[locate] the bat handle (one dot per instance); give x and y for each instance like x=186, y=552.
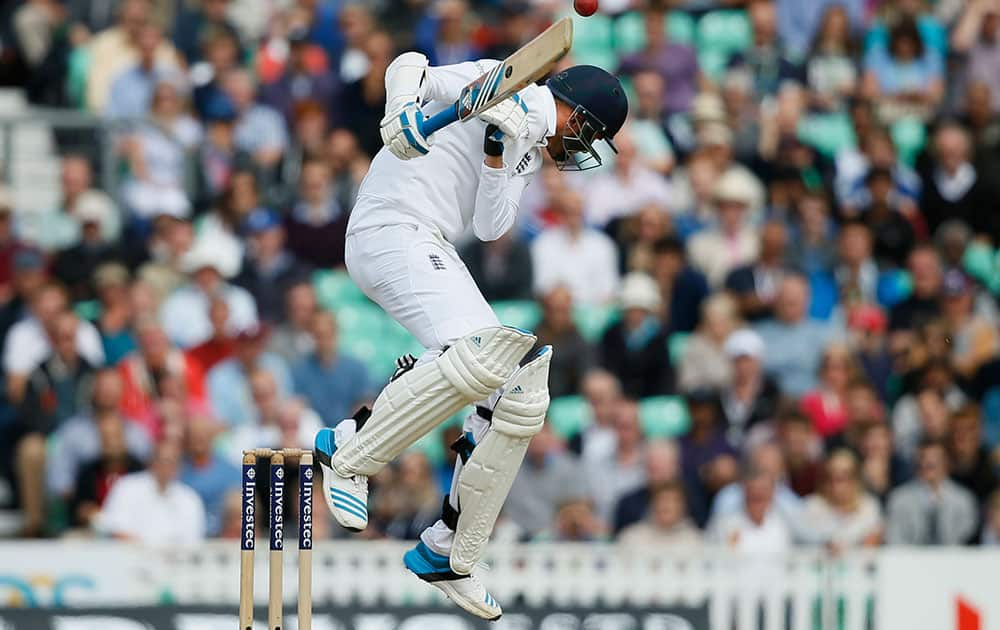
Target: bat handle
x=440, y=120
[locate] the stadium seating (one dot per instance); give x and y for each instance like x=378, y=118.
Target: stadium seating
x=664, y=416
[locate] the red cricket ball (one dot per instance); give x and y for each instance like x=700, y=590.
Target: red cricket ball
x=585, y=8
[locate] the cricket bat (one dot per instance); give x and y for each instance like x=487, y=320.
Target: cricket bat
x=526, y=65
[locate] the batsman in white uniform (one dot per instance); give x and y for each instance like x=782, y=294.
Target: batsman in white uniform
x=420, y=195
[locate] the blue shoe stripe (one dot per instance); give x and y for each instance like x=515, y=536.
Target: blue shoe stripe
x=347, y=497
x=421, y=560
x=350, y=510
x=324, y=442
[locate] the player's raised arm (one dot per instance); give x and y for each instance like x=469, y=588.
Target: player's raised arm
x=499, y=193
x=400, y=129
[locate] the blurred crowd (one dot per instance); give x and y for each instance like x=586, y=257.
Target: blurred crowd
x=792, y=265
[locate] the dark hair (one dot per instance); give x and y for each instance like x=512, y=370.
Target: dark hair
x=906, y=28
x=851, y=45
x=668, y=245
x=929, y=443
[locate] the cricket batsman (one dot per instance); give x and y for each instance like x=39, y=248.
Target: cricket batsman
x=420, y=195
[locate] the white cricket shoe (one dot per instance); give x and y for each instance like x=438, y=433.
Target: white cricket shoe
x=465, y=590
x=346, y=497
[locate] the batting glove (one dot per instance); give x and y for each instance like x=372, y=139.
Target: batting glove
x=510, y=116
x=402, y=132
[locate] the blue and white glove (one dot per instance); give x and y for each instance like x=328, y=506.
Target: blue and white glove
x=402, y=132
x=510, y=116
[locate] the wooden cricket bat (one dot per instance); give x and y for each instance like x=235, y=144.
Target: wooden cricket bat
x=526, y=65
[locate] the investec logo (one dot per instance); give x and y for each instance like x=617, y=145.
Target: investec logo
x=249, y=499
x=278, y=510
x=306, y=530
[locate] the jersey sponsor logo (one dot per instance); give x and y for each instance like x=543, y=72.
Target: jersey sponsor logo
x=436, y=263
x=523, y=164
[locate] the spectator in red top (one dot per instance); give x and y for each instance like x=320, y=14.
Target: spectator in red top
x=221, y=345
x=826, y=405
x=144, y=371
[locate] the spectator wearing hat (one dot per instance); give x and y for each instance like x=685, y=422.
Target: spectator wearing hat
x=635, y=348
x=147, y=374
x=931, y=509
x=317, y=223
x=733, y=242
x=269, y=268
x=332, y=382
x=751, y=397
x=185, y=312
x=974, y=339
x=756, y=285
x=793, y=340
x=683, y=288
x=228, y=383
x=28, y=344
x=62, y=227
x=111, y=285
x=704, y=364
x=581, y=258
x=299, y=81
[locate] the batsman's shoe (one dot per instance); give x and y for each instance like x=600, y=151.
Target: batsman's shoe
x=346, y=497
x=465, y=590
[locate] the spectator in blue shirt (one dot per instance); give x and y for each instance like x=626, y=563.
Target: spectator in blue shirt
x=798, y=21
x=907, y=77
x=228, y=383
x=210, y=476
x=332, y=382
x=794, y=343
x=260, y=130
x=132, y=90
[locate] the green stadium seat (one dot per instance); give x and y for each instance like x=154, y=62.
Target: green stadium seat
x=629, y=33
x=827, y=133
x=726, y=31
x=909, y=135
x=335, y=288
x=664, y=416
x=523, y=314
x=713, y=63
x=680, y=28
x=569, y=415
x=592, y=321
x=593, y=42
x=676, y=345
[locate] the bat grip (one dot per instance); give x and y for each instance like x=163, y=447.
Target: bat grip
x=440, y=120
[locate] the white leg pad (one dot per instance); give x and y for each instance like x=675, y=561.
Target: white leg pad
x=486, y=478
x=419, y=400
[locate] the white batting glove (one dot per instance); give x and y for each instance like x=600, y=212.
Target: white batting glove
x=510, y=115
x=402, y=132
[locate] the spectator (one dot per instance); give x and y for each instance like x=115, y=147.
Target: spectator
x=223, y=169
x=132, y=88
x=277, y=421
x=546, y=478
x=971, y=466
x=923, y=304
x=502, y=268
x=830, y=70
x=906, y=78
x=842, y=515
x=931, y=509
x=613, y=477
x=636, y=236
x=414, y=501
x=292, y=338
x=576, y=521
x=634, y=349
x=754, y=529
x=317, y=224
x=74, y=266
x=194, y=25
x=755, y=285
x=676, y=64
x=663, y=466
x=625, y=188
x=269, y=269
x=363, y=101
x=332, y=382
x=575, y=357
x=9, y=246
x=603, y=393
x=935, y=394
x=810, y=247
x=444, y=34
x=185, y=312
x=800, y=27
x=152, y=507
x=974, y=339
x=84, y=437
x=826, y=406
x=982, y=121
x=311, y=140
x=878, y=151
x=228, y=382
x=27, y=344
x=893, y=234
x=578, y=257
x=220, y=52
x=882, y=469
x=765, y=60
x=209, y=475
x=144, y=372
x=96, y=477
x=704, y=363
x=708, y=459
x=299, y=83
x=856, y=273
x=221, y=345
x=991, y=530
x=56, y=390
x=649, y=120
x=954, y=187
x=751, y=398
x=260, y=130
x=667, y=523
x=117, y=47
x=800, y=449
x=161, y=259
x=977, y=35
x=767, y=458
x=717, y=251
x=794, y=342
x=115, y=323
x=682, y=287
